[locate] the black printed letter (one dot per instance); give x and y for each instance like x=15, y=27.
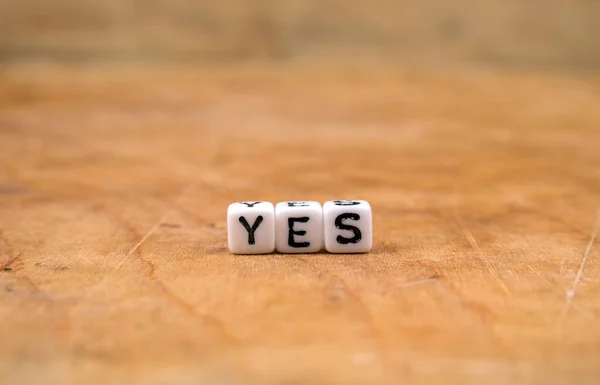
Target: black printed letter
x=340, y=225
x=292, y=232
x=252, y=229
x=297, y=204
x=249, y=204
x=346, y=203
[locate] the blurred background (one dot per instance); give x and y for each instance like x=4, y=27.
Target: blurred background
x=515, y=34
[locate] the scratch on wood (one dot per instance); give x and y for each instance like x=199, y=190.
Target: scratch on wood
x=417, y=282
x=149, y=233
x=473, y=242
x=9, y=252
x=37, y=293
x=5, y=265
x=570, y=295
x=187, y=307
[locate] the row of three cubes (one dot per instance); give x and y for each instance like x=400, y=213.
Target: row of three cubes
x=339, y=226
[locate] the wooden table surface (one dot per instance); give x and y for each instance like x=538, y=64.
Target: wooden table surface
x=113, y=261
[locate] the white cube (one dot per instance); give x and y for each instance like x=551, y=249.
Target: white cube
x=348, y=226
x=251, y=227
x=298, y=227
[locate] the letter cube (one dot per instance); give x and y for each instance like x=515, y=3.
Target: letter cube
x=251, y=227
x=298, y=227
x=348, y=226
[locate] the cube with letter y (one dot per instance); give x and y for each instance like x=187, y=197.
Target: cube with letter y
x=251, y=227
x=348, y=226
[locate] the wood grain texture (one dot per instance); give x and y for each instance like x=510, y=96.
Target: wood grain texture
x=113, y=260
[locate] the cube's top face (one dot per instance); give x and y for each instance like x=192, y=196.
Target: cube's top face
x=249, y=206
x=346, y=205
x=298, y=206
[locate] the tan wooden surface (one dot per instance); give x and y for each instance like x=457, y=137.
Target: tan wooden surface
x=113, y=260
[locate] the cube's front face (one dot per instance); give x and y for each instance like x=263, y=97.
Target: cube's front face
x=299, y=227
x=348, y=226
x=251, y=227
